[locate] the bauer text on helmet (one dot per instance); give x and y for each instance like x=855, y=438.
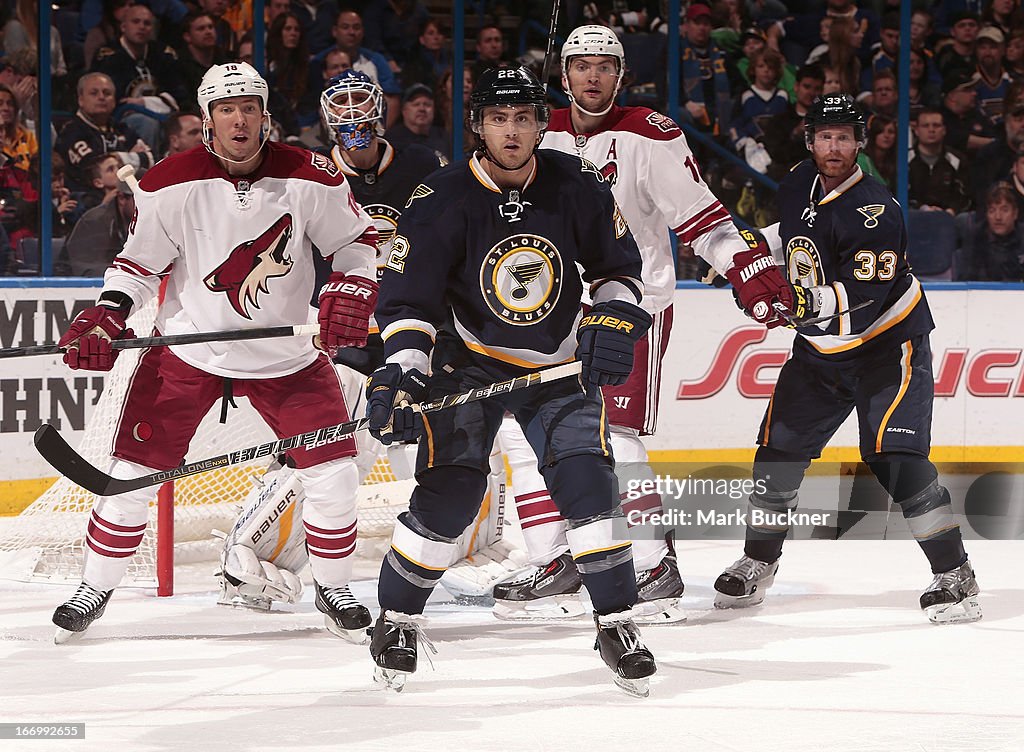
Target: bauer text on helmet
x=231, y=80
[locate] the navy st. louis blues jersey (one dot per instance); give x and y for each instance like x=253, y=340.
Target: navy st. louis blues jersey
x=852, y=244
x=498, y=268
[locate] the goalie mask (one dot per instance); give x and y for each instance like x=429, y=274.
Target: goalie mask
x=352, y=107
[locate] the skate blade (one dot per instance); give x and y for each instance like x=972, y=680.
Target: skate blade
x=966, y=611
x=390, y=679
x=543, y=609
x=355, y=636
x=66, y=636
x=664, y=611
x=634, y=687
x=249, y=604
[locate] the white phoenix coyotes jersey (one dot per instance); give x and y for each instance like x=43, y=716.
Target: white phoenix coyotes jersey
x=658, y=187
x=237, y=252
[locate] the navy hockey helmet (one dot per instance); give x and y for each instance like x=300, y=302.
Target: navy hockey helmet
x=835, y=109
x=507, y=86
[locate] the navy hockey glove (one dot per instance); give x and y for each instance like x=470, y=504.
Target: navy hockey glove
x=606, y=338
x=86, y=343
x=392, y=402
x=759, y=283
x=805, y=306
x=346, y=304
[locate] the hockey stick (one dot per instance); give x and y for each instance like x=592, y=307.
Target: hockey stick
x=175, y=339
x=784, y=313
x=65, y=460
x=548, y=53
x=127, y=175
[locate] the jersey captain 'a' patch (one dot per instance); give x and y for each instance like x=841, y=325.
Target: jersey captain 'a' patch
x=521, y=279
x=803, y=262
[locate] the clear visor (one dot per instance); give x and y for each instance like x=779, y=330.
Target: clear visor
x=518, y=118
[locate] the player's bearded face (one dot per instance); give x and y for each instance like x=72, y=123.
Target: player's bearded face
x=510, y=134
x=236, y=123
x=592, y=80
x=834, y=150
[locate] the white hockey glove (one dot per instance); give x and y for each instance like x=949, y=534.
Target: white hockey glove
x=258, y=580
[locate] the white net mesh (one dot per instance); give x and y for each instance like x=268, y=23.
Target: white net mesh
x=46, y=541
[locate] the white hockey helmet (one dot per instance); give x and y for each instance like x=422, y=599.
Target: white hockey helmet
x=231, y=80
x=594, y=40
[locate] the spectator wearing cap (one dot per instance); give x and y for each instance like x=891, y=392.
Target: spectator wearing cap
x=751, y=41
x=93, y=131
x=998, y=157
x=145, y=73
x=348, y=36
x=417, y=126
x=938, y=176
x=995, y=81
x=992, y=244
x=959, y=53
x=706, y=95
x=99, y=235
x=966, y=130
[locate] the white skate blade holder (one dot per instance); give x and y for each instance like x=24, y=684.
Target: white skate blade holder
x=355, y=636
x=967, y=610
x=389, y=678
x=66, y=636
x=634, y=687
x=552, y=608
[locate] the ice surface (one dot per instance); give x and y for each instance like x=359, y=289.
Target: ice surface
x=838, y=658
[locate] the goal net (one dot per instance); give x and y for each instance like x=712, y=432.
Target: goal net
x=47, y=540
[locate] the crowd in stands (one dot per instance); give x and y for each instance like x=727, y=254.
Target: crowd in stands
x=124, y=75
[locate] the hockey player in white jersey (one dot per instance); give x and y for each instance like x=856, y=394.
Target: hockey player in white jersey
x=658, y=187
x=230, y=226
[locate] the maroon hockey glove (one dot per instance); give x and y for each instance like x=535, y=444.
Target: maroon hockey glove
x=86, y=343
x=346, y=304
x=759, y=283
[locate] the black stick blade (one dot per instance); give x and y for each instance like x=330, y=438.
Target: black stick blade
x=66, y=461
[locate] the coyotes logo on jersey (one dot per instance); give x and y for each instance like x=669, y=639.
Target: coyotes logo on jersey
x=245, y=272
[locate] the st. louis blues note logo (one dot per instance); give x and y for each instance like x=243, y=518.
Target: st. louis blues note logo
x=872, y=212
x=521, y=279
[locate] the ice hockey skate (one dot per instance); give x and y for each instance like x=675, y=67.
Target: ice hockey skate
x=550, y=592
x=393, y=645
x=744, y=583
x=659, y=590
x=343, y=614
x=952, y=597
x=620, y=646
x=82, y=609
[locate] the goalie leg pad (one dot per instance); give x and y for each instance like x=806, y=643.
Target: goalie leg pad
x=115, y=529
x=329, y=519
x=259, y=581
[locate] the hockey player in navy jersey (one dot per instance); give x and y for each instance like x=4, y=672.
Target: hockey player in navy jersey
x=481, y=285
x=843, y=242
x=654, y=178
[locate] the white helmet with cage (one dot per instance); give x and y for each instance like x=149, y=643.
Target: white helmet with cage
x=231, y=80
x=592, y=40
x=353, y=109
